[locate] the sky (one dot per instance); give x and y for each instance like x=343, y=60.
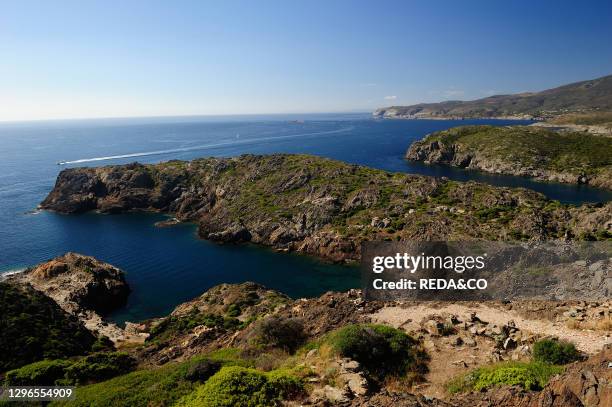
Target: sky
x=80, y=59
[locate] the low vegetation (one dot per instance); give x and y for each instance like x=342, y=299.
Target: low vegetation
x=44, y=330
x=547, y=359
x=221, y=378
x=555, y=352
x=283, y=333
x=90, y=369
x=381, y=350
x=239, y=386
x=573, y=152
x=151, y=387
x=42, y=373
x=175, y=325
x=530, y=376
x=603, y=119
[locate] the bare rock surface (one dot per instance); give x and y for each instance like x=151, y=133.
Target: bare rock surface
x=84, y=287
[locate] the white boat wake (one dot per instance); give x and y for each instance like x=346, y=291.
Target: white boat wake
x=237, y=141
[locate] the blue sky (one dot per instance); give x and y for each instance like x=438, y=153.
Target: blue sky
x=80, y=59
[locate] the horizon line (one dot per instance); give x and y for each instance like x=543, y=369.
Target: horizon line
x=171, y=116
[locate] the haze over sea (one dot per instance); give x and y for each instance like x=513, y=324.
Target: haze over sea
x=166, y=266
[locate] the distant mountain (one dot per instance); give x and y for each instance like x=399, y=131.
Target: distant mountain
x=580, y=97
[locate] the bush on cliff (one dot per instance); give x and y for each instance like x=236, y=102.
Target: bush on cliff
x=239, y=386
x=33, y=327
x=530, y=376
x=380, y=349
x=176, y=325
x=555, y=352
x=161, y=386
x=43, y=373
x=99, y=367
x=90, y=369
x=277, y=332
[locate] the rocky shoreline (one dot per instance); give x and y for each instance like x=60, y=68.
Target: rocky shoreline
x=460, y=148
x=318, y=206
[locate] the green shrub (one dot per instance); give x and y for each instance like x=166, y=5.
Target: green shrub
x=555, y=352
x=99, y=367
x=238, y=386
x=284, y=333
x=202, y=370
x=380, y=349
x=176, y=325
x=90, y=369
x=285, y=383
x=33, y=327
x=530, y=376
x=43, y=373
x=103, y=344
x=234, y=310
x=143, y=388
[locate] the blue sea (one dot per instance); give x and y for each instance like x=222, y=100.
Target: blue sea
x=166, y=266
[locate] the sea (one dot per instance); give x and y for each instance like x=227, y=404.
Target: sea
x=167, y=266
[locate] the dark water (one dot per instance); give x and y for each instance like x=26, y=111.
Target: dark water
x=166, y=266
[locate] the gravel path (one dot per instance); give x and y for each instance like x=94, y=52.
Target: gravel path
x=585, y=340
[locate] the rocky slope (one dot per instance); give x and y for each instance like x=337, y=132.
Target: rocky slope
x=538, y=153
x=249, y=325
x=83, y=287
x=584, y=384
x=457, y=338
x=580, y=97
x=320, y=206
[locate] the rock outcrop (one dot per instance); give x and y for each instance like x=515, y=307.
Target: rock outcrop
x=318, y=206
x=83, y=287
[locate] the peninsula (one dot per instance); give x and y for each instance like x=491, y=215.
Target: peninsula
x=539, y=153
x=319, y=206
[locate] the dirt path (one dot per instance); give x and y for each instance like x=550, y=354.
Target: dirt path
x=448, y=360
x=585, y=340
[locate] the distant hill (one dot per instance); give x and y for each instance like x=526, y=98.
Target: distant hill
x=580, y=97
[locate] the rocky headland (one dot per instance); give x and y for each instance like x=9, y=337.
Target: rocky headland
x=539, y=153
x=321, y=207
x=82, y=287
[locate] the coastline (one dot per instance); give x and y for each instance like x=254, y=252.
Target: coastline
x=524, y=151
x=6, y=274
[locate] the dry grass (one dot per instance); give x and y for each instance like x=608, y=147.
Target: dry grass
x=602, y=324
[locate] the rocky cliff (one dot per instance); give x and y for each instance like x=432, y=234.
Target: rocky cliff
x=320, y=206
x=543, y=154
x=83, y=287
